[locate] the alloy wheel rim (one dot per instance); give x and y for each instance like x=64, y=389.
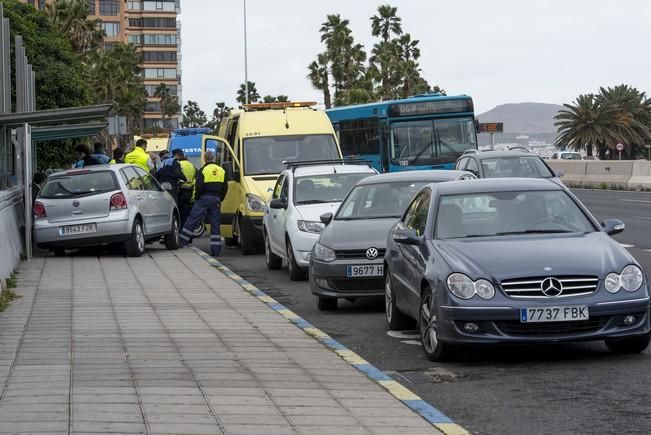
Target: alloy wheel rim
x=428, y=325
x=388, y=298
x=176, y=229
x=290, y=257
x=140, y=238
x=267, y=250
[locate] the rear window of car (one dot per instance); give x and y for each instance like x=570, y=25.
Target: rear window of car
x=79, y=184
x=521, y=167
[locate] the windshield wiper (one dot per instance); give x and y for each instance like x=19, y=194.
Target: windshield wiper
x=506, y=233
x=313, y=201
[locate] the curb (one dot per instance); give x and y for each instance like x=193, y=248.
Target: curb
x=435, y=417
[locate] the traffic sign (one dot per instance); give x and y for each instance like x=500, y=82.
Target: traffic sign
x=491, y=127
x=620, y=147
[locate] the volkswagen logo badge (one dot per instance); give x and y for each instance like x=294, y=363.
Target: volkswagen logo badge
x=75, y=203
x=372, y=253
x=551, y=287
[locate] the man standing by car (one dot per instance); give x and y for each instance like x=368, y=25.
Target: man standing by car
x=186, y=191
x=170, y=173
x=99, y=154
x=140, y=157
x=84, y=157
x=211, y=188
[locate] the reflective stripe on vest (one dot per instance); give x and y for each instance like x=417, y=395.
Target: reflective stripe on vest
x=138, y=157
x=213, y=173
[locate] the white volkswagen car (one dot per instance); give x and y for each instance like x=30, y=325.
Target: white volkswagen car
x=303, y=192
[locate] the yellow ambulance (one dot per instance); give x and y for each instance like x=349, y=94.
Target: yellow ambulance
x=257, y=142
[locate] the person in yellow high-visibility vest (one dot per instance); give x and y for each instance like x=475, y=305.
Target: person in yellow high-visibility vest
x=140, y=157
x=186, y=190
x=210, y=190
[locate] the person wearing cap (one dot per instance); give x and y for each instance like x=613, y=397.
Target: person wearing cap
x=170, y=174
x=140, y=157
x=210, y=190
x=186, y=189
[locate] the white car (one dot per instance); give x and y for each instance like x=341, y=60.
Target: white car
x=291, y=223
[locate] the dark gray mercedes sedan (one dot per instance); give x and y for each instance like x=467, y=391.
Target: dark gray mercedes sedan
x=347, y=261
x=511, y=261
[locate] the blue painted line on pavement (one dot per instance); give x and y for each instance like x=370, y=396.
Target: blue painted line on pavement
x=409, y=399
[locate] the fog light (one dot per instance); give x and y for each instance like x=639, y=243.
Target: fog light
x=323, y=283
x=470, y=327
x=629, y=320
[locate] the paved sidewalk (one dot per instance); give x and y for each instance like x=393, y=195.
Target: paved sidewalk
x=168, y=344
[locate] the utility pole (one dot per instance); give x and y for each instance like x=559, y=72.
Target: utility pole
x=246, y=62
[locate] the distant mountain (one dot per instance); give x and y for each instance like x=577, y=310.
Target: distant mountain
x=524, y=118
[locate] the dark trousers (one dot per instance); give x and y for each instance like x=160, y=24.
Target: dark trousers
x=205, y=205
x=185, y=204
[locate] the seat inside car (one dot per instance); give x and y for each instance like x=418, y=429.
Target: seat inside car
x=449, y=222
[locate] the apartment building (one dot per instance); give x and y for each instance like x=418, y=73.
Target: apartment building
x=154, y=28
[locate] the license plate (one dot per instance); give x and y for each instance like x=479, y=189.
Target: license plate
x=364, y=270
x=554, y=314
x=78, y=229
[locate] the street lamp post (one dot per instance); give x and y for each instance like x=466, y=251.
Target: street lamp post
x=246, y=62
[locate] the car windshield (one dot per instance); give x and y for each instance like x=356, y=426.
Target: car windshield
x=317, y=189
x=376, y=201
x=507, y=213
x=265, y=155
x=571, y=156
x=520, y=166
x=430, y=141
x=78, y=184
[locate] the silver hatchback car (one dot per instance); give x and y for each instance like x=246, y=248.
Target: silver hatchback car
x=104, y=205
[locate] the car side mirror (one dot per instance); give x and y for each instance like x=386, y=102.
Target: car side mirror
x=278, y=204
x=405, y=236
x=559, y=173
x=613, y=226
x=326, y=218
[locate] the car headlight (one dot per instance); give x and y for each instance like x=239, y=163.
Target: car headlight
x=612, y=283
x=310, y=226
x=631, y=278
x=461, y=286
x=254, y=202
x=465, y=288
x=323, y=253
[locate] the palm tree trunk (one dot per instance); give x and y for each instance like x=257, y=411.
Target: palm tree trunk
x=588, y=150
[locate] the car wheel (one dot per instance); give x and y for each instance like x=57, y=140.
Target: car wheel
x=325, y=303
x=59, y=252
x=396, y=320
x=135, y=246
x=296, y=272
x=629, y=345
x=199, y=230
x=172, y=239
x=273, y=261
x=435, y=350
x=247, y=243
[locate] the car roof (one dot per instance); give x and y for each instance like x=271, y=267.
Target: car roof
x=498, y=154
x=497, y=185
x=93, y=168
x=332, y=169
x=434, y=175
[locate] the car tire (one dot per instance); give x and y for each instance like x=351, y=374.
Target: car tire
x=434, y=349
x=172, y=239
x=135, y=246
x=273, y=261
x=326, y=304
x=296, y=272
x=59, y=252
x=396, y=320
x=248, y=246
x=199, y=230
x=629, y=345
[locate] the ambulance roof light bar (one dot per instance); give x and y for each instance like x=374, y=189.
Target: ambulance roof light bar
x=283, y=105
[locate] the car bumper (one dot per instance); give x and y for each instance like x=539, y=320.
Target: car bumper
x=303, y=242
x=109, y=230
x=329, y=279
x=502, y=324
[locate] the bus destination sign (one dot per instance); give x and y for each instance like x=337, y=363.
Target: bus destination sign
x=491, y=127
x=431, y=107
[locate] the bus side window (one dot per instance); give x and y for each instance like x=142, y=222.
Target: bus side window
x=359, y=137
x=232, y=136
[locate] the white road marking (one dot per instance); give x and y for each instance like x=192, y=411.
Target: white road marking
x=401, y=335
x=641, y=217
x=412, y=342
x=635, y=200
x=624, y=245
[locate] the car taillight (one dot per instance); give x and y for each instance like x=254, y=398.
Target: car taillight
x=39, y=210
x=118, y=201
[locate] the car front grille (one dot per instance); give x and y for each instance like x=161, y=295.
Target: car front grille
x=532, y=287
x=357, y=253
x=358, y=285
x=515, y=327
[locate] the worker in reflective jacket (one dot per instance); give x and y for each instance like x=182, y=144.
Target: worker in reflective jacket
x=210, y=189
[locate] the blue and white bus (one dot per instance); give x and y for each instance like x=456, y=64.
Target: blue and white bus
x=423, y=132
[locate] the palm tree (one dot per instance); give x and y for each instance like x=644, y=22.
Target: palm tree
x=70, y=17
x=387, y=22
x=320, y=77
x=169, y=104
x=254, y=96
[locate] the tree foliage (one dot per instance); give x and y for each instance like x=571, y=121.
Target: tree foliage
x=193, y=116
x=169, y=104
x=254, y=96
x=620, y=114
x=70, y=17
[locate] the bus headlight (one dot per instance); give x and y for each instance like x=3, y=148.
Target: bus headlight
x=254, y=203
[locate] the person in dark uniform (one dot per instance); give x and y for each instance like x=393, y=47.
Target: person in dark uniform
x=210, y=189
x=170, y=173
x=85, y=159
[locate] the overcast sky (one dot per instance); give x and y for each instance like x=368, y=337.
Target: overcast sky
x=499, y=51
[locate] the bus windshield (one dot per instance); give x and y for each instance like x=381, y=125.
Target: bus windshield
x=431, y=141
x=265, y=155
